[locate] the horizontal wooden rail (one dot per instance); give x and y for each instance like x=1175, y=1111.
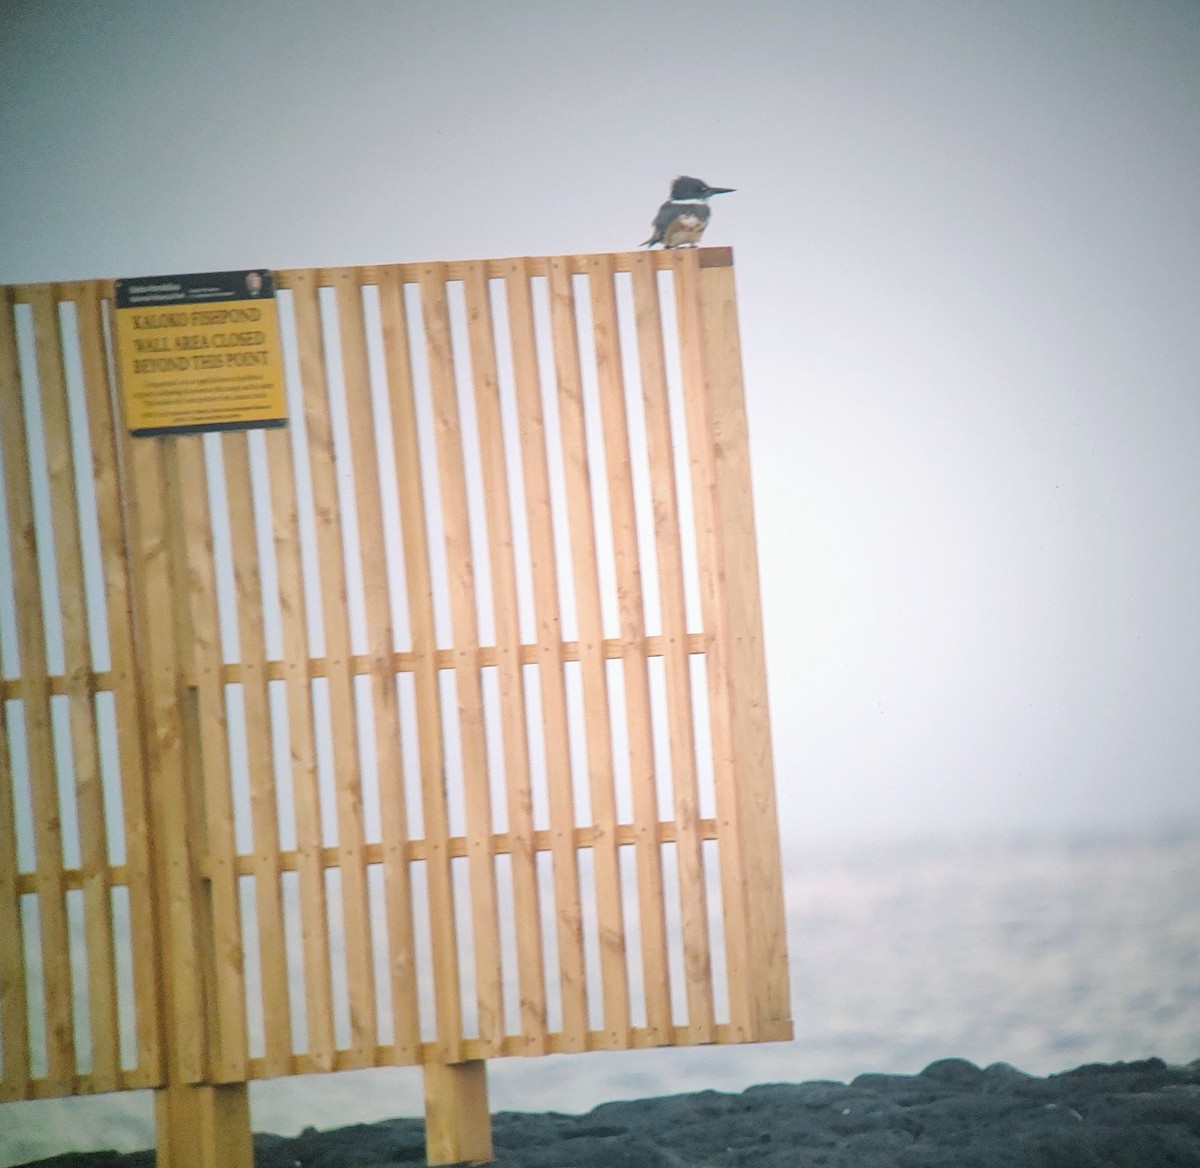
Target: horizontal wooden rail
x=84, y=1083
x=457, y=847
x=410, y=273
x=384, y=1055
x=640, y=1038
x=361, y=665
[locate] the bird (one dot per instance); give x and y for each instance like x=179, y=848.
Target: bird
x=681, y=220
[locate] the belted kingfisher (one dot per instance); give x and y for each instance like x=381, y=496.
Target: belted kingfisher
x=681, y=220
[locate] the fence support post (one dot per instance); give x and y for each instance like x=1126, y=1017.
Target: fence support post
x=458, y=1122
x=202, y=1125
x=198, y=1124
x=741, y=623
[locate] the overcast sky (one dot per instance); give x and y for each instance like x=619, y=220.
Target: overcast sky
x=967, y=252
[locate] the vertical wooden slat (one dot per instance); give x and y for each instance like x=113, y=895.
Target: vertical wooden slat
x=697, y=959
x=615, y=970
x=380, y=649
x=485, y=920
x=735, y=906
x=531, y=974
x=544, y=570
x=597, y=722
x=264, y=807
x=32, y=604
x=741, y=628
x=14, y=1016
x=313, y=908
x=347, y=772
x=419, y=583
x=751, y=883
x=78, y=668
x=631, y=608
x=115, y=550
x=207, y=695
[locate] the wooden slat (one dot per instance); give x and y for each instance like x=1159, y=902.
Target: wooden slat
x=740, y=630
x=371, y=274
x=502, y=844
x=707, y=257
x=362, y=665
x=85, y=747
x=313, y=907
x=613, y=956
x=631, y=610
x=72, y=879
x=419, y=585
x=614, y=974
x=640, y=1038
x=544, y=571
x=14, y=1015
x=12, y=689
x=360, y=973
x=531, y=973
x=115, y=549
x=82, y=1084
x=207, y=699
x=264, y=806
x=381, y=650
x=31, y=605
x=289, y=861
x=702, y=456
x=460, y=570
x=697, y=959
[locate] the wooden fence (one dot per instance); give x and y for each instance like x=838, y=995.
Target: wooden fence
x=427, y=730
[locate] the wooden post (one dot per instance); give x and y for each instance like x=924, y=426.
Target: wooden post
x=726, y=510
x=458, y=1123
x=198, y=1124
x=203, y=1125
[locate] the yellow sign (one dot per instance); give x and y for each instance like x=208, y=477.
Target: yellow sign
x=200, y=352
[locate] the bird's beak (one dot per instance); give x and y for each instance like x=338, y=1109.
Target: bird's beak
x=721, y=190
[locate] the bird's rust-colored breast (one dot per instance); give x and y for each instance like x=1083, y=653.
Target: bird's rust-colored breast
x=687, y=228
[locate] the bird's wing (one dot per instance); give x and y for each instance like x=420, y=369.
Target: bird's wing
x=661, y=222
x=665, y=216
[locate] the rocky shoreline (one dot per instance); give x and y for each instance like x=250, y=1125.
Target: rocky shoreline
x=953, y=1114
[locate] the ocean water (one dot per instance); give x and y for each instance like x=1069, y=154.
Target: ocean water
x=1041, y=952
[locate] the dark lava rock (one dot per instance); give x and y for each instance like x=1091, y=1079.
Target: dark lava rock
x=954, y=1072
x=952, y=1115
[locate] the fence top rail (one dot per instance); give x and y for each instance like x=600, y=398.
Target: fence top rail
x=410, y=273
